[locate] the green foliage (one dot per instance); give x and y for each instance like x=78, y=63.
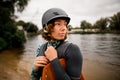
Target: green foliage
x=4, y=15
x=21, y=4
x=30, y=27
x=3, y=44
x=115, y=22
x=101, y=24
x=20, y=23
x=8, y=38
x=69, y=27
x=14, y=4
x=18, y=38
x=10, y=27
x=9, y=35
x=104, y=24
x=85, y=25
x=14, y=40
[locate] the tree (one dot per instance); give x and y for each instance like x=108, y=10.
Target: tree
x=30, y=27
x=85, y=25
x=115, y=22
x=20, y=23
x=8, y=30
x=69, y=27
x=18, y=39
x=3, y=44
x=8, y=7
x=101, y=24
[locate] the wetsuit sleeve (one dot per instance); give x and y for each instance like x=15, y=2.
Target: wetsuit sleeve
x=74, y=64
x=36, y=74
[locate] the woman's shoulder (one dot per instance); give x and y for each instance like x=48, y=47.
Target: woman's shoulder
x=73, y=48
x=73, y=45
x=40, y=47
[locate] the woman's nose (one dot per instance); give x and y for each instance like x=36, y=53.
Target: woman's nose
x=64, y=27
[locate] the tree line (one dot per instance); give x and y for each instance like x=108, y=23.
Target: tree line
x=108, y=24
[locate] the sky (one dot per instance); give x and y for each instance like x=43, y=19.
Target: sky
x=77, y=10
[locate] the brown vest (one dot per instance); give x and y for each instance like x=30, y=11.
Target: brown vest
x=48, y=74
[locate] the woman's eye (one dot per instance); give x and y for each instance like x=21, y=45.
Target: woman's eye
x=58, y=24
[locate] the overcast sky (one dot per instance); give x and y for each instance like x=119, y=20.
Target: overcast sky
x=78, y=10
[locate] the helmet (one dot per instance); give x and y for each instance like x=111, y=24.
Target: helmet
x=52, y=14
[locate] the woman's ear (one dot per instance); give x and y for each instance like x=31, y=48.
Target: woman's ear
x=45, y=31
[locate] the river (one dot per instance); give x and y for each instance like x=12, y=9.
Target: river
x=101, y=57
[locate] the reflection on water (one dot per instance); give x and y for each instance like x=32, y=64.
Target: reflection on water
x=101, y=53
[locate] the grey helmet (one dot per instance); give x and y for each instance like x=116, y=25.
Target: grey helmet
x=52, y=14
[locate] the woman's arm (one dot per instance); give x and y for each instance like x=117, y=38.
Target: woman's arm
x=74, y=60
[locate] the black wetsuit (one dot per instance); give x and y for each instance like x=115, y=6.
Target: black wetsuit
x=74, y=61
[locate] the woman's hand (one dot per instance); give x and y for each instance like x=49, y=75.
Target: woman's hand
x=40, y=61
x=51, y=53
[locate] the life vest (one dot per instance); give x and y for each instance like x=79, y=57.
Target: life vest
x=47, y=72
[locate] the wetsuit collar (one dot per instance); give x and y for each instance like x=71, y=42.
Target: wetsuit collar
x=54, y=44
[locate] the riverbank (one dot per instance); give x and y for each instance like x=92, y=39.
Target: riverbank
x=10, y=68
x=92, y=31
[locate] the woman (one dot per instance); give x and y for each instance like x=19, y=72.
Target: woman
x=54, y=22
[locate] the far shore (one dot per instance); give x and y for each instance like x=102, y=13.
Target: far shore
x=91, y=31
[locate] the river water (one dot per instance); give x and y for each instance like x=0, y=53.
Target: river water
x=101, y=57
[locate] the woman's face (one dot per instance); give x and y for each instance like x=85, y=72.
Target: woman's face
x=59, y=30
